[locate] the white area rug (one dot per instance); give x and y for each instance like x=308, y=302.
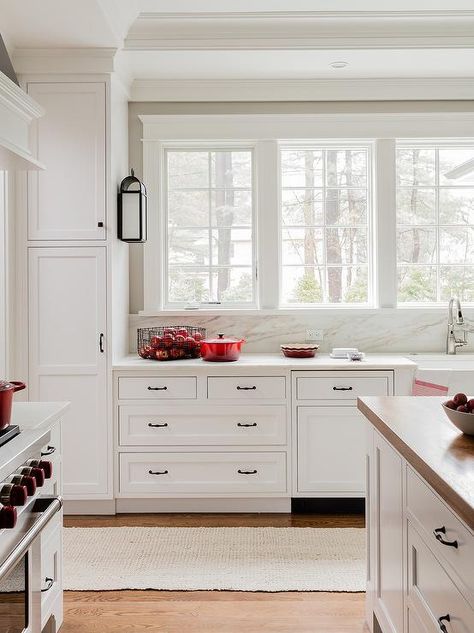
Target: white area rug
x=239, y=559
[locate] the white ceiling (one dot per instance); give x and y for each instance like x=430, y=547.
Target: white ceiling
x=193, y=24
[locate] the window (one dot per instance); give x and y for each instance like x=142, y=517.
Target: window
x=210, y=255
x=325, y=225
x=435, y=222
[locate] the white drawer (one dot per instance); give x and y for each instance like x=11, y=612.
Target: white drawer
x=432, y=591
x=51, y=563
x=158, y=425
x=340, y=385
x=202, y=473
x=433, y=515
x=156, y=387
x=246, y=387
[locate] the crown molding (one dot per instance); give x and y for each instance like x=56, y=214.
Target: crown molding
x=191, y=128
x=63, y=60
x=374, y=89
x=17, y=111
x=301, y=30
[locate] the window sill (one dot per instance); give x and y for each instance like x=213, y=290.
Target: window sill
x=362, y=310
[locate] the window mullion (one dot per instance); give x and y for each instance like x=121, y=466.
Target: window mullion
x=385, y=224
x=268, y=223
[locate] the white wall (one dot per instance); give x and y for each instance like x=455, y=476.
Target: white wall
x=406, y=330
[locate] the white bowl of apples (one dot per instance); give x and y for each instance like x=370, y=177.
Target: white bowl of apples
x=460, y=410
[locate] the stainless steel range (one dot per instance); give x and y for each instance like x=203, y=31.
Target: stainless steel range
x=25, y=512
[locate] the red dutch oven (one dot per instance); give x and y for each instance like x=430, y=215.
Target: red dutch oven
x=7, y=389
x=221, y=349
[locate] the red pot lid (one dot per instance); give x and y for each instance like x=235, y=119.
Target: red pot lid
x=5, y=385
x=223, y=339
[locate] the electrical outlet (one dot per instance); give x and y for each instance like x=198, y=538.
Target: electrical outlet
x=312, y=334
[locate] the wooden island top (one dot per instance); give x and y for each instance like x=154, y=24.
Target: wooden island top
x=419, y=430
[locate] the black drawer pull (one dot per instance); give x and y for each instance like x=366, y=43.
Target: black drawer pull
x=157, y=388
x=253, y=388
x=342, y=388
x=49, y=451
x=157, y=472
x=49, y=583
x=438, y=534
x=246, y=425
x=247, y=472
x=158, y=425
x=441, y=620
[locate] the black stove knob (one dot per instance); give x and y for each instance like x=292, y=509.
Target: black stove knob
x=44, y=464
x=13, y=494
x=8, y=517
x=37, y=473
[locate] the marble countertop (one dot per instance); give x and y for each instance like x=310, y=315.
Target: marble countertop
x=37, y=415
x=420, y=431
x=35, y=420
x=268, y=361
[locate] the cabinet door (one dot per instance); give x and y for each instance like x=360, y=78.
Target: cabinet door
x=331, y=451
x=388, y=535
x=66, y=201
x=67, y=314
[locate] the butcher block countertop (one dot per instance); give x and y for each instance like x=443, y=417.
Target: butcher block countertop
x=419, y=430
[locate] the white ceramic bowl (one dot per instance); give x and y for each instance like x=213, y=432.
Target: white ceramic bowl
x=463, y=421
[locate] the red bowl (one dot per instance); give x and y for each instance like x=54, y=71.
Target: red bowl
x=299, y=351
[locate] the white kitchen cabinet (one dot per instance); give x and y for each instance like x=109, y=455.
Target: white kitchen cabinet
x=67, y=201
x=331, y=451
x=387, y=535
x=67, y=359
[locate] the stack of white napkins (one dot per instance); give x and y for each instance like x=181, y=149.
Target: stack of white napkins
x=341, y=352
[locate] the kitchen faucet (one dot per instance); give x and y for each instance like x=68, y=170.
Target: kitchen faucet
x=455, y=318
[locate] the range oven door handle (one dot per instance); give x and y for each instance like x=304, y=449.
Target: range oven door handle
x=48, y=506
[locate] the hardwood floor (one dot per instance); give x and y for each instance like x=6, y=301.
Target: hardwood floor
x=213, y=611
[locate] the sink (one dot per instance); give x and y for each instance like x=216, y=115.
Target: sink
x=455, y=371
x=454, y=362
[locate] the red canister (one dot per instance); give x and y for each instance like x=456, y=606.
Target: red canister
x=7, y=389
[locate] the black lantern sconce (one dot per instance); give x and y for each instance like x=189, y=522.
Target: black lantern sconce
x=132, y=211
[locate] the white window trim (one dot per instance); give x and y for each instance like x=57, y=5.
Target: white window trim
x=265, y=132
x=209, y=145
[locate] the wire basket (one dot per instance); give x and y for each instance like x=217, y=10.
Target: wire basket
x=170, y=342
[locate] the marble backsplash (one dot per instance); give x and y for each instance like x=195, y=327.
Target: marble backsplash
x=382, y=331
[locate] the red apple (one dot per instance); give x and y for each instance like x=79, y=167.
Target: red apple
x=183, y=332
x=149, y=351
x=155, y=341
x=450, y=404
x=179, y=340
x=168, y=340
x=198, y=336
x=162, y=354
x=462, y=408
x=460, y=398
x=470, y=404
x=175, y=353
x=170, y=330
x=190, y=342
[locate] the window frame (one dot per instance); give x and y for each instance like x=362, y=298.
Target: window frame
x=208, y=146
x=369, y=146
x=434, y=144
x=266, y=133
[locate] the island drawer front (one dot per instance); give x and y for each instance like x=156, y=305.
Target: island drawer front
x=161, y=425
x=341, y=386
x=432, y=591
x=157, y=387
x=432, y=514
x=202, y=473
x=246, y=387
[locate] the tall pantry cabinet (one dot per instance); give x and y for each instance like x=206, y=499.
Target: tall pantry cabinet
x=70, y=237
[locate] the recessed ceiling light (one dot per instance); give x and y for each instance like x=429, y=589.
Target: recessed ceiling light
x=339, y=64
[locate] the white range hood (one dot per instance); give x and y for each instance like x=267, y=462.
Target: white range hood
x=17, y=113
